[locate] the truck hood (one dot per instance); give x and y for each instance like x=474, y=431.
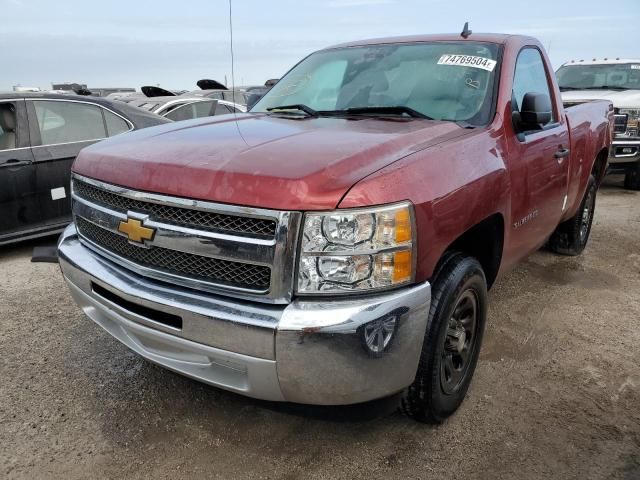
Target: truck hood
x=260, y=160
x=619, y=98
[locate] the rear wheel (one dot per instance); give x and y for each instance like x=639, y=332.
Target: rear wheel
x=570, y=237
x=452, y=341
x=632, y=178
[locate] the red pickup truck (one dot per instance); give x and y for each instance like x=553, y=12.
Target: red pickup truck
x=335, y=244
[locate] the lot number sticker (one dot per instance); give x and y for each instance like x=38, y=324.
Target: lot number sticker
x=468, y=61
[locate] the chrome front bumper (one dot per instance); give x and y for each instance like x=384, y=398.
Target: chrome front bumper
x=624, y=151
x=309, y=351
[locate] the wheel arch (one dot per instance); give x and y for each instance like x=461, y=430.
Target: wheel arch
x=599, y=168
x=483, y=241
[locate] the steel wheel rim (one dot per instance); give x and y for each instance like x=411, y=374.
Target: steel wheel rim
x=587, y=213
x=459, y=343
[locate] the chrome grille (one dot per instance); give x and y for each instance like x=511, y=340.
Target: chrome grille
x=236, y=274
x=212, y=221
x=233, y=250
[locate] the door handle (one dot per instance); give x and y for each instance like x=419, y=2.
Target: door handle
x=14, y=162
x=562, y=153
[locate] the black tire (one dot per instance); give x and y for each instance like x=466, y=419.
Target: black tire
x=571, y=236
x=435, y=395
x=632, y=178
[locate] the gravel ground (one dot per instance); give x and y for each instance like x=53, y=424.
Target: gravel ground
x=556, y=393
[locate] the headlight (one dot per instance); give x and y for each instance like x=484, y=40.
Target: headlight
x=357, y=250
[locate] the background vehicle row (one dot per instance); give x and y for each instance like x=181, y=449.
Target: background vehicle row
x=40, y=136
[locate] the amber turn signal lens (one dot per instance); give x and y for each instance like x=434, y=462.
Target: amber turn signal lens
x=403, y=225
x=402, y=266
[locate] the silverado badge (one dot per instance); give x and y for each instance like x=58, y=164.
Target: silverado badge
x=135, y=231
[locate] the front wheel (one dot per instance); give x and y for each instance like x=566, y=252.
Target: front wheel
x=570, y=237
x=452, y=340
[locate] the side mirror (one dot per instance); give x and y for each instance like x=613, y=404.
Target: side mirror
x=535, y=112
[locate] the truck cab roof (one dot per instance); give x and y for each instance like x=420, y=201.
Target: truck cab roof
x=498, y=38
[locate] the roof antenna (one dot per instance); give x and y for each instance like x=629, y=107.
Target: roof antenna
x=233, y=77
x=465, y=31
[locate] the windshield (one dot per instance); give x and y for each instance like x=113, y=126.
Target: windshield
x=618, y=75
x=444, y=81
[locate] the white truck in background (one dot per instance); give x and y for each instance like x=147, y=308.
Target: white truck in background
x=616, y=80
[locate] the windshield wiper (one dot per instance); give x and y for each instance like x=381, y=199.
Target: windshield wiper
x=298, y=106
x=565, y=89
x=397, y=110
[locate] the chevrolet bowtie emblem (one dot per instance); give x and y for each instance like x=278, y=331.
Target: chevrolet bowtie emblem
x=135, y=231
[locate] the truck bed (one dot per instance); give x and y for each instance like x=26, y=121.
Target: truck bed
x=589, y=122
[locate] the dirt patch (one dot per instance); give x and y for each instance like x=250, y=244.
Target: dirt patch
x=556, y=393
x=573, y=273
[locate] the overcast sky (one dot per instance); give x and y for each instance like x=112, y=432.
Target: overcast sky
x=131, y=43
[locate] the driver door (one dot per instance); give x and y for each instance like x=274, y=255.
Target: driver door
x=539, y=161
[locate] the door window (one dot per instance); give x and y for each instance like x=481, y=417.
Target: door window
x=115, y=124
x=204, y=109
x=192, y=110
x=66, y=122
x=530, y=76
x=8, y=122
x=222, y=109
